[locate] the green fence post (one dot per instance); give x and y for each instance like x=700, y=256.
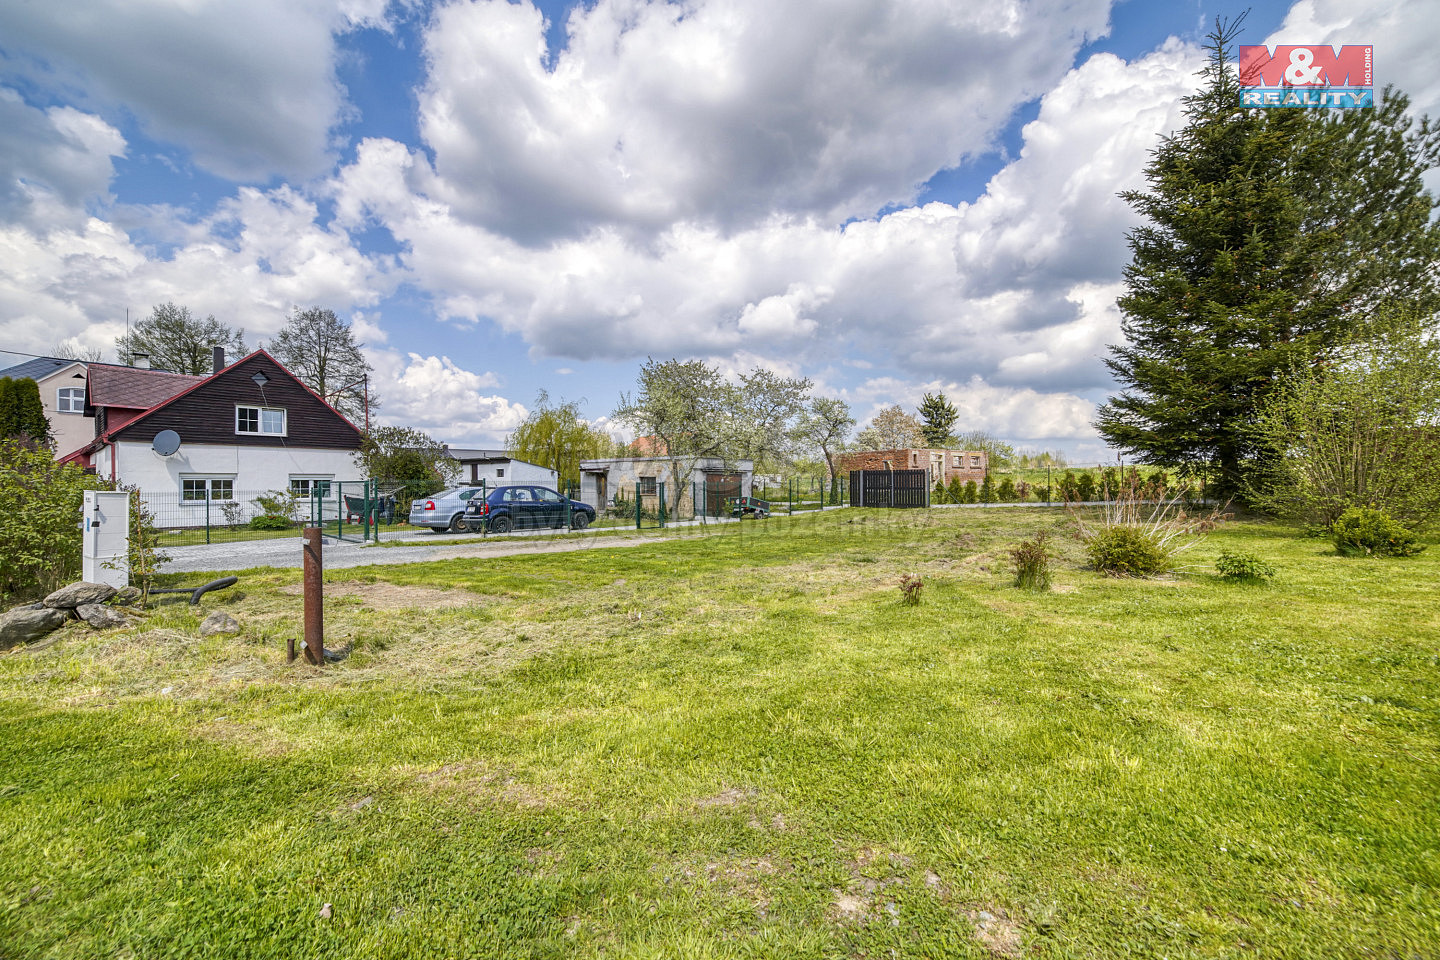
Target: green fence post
x=660, y=504
x=207, y=512
x=637, y=504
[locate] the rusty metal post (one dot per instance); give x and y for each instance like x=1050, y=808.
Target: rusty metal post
x=290, y=650
x=314, y=595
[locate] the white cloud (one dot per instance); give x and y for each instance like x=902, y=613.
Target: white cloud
x=52, y=162
x=258, y=256
x=436, y=395
x=724, y=111
x=1012, y=413
x=248, y=87
x=1015, y=288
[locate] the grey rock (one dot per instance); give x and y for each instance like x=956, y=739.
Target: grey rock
x=70, y=597
x=219, y=622
x=100, y=616
x=23, y=626
x=125, y=596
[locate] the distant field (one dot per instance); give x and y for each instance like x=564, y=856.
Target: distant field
x=742, y=745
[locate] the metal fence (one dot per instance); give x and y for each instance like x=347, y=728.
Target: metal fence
x=890, y=488
x=351, y=510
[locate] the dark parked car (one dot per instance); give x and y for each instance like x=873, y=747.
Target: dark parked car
x=525, y=507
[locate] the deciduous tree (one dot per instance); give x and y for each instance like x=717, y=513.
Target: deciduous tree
x=321, y=349
x=176, y=340
x=825, y=425
x=891, y=429
x=1363, y=432
x=558, y=437
x=407, y=459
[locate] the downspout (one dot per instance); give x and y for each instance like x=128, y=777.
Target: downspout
x=114, y=455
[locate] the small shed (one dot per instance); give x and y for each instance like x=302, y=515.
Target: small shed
x=712, y=478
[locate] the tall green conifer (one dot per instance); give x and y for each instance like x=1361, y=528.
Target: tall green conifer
x=1271, y=238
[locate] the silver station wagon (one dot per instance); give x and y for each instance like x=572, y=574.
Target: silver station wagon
x=444, y=510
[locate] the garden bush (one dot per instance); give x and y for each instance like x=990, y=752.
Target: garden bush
x=40, y=502
x=1127, y=552
x=1241, y=566
x=1031, y=560
x=972, y=492
x=1363, y=532
x=271, y=521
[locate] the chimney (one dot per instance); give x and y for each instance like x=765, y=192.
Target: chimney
x=219, y=355
x=141, y=361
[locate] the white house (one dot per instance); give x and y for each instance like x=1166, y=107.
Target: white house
x=496, y=468
x=249, y=428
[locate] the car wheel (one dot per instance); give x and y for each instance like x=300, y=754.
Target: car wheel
x=580, y=520
x=457, y=524
x=501, y=525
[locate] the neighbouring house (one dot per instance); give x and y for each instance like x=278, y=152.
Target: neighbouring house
x=497, y=467
x=62, y=394
x=603, y=482
x=944, y=465
x=248, y=428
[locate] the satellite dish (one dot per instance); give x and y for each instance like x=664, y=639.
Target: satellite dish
x=166, y=442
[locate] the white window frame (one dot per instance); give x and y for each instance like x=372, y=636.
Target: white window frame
x=209, y=481
x=310, y=480
x=65, y=396
x=260, y=421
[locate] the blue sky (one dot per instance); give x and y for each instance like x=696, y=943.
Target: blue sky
x=505, y=198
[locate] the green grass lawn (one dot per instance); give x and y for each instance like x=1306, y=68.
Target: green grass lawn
x=742, y=744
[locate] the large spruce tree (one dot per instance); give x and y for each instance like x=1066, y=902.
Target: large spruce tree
x=1271, y=238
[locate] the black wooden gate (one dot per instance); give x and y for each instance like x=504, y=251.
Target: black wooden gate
x=890, y=488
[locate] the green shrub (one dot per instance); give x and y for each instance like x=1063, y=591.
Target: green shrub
x=1031, y=560
x=972, y=492
x=40, y=502
x=1085, y=487
x=955, y=491
x=1362, y=532
x=271, y=521
x=987, y=490
x=1240, y=566
x=1005, y=492
x=1126, y=551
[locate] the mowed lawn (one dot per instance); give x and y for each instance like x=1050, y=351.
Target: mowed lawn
x=744, y=745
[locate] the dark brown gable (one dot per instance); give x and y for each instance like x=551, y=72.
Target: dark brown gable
x=206, y=413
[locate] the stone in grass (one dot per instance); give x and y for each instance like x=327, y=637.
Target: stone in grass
x=219, y=622
x=24, y=625
x=100, y=616
x=126, y=596
x=70, y=597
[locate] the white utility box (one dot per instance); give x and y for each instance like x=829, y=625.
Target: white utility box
x=106, y=540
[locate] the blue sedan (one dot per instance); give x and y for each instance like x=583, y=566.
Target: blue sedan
x=524, y=507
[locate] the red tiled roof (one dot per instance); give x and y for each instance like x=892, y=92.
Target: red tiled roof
x=134, y=389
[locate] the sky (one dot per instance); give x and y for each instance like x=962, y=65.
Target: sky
x=504, y=198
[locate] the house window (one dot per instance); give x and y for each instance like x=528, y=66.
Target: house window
x=499, y=473
x=307, y=487
x=200, y=489
x=70, y=400
x=647, y=486
x=975, y=462
x=267, y=421
x=959, y=461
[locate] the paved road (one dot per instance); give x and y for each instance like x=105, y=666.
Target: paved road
x=286, y=551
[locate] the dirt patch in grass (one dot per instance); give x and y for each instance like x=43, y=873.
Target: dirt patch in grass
x=996, y=930
x=745, y=879
x=393, y=596
x=476, y=780
x=729, y=797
